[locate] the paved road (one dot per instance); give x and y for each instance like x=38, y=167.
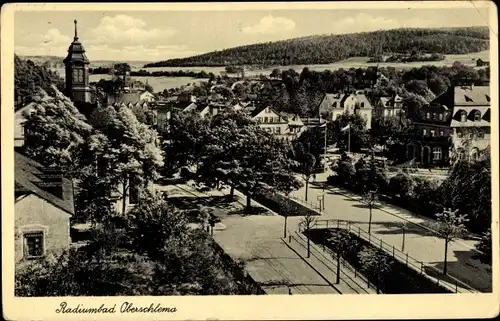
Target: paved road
x=277, y=265
x=418, y=243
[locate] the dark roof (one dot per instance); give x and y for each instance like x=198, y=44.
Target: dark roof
x=33, y=178
x=76, y=53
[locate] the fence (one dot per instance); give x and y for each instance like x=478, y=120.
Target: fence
x=308, y=203
x=447, y=281
x=328, y=263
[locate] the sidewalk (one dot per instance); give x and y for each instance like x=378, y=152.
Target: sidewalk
x=419, y=242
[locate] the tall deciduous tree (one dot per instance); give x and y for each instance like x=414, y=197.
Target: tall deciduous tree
x=55, y=131
x=186, y=139
x=126, y=148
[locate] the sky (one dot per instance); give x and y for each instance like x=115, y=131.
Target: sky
x=161, y=35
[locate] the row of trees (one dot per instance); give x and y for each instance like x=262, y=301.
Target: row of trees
x=229, y=149
x=331, y=48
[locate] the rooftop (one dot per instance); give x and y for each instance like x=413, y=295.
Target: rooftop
x=33, y=178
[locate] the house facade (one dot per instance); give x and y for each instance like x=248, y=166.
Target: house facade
x=43, y=208
x=284, y=127
x=334, y=105
x=387, y=107
x=471, y=120
x=431, y=144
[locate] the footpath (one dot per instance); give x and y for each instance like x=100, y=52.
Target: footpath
x=406, y=232
x=279, y=263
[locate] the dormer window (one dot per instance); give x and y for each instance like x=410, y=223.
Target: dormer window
x=440, y=116
x=362, y=104
x=463, y=116
x=477, y=115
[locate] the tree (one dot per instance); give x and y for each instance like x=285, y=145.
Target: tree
x=276, y=73
x=377, y=263
x=401, y=185
x=359, y=137
x=29, y=78
x=484, y=246
x=306, y=168
x=343, y=244
x=185, y=141
x=126, y=148
x=450, y=226
x=308, y=221
x=149, y=88
x=287, y=208
x=55, y=131
x=153, y=223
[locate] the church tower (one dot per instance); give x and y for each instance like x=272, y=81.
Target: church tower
x=77, y=72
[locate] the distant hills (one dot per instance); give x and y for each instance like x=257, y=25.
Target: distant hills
x=324, y=49
x=57, y=62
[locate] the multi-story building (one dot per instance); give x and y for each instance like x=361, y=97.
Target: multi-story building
x=335, y=105
x=388, y=107
x=285, y=127
x=471, y=120
x=430, y=145
x=457, y=121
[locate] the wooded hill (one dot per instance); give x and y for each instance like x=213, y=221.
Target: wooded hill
x=324, y=49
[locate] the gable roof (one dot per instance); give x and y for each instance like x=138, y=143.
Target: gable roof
x=473, y=96
x=29, y=175
x=257, y=111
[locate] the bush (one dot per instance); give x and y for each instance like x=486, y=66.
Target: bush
x=401, y=186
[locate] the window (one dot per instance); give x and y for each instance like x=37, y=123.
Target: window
x=334, y=104
x=424, y=132
x=434, y=116
x=34, y=245
x=463, y=116
x=133, y=194
x=428, y=115
x=480, y=134
x=78, y=75
x=362, y=104
x=437, y=153
x=278, y=130
x=459, y=134
x=433, y=133
x=477, y=115
x=265, y=119
x=440, y=116
x=441, y=133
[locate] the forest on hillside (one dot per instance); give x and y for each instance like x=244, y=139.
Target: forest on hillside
x=324, y=49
